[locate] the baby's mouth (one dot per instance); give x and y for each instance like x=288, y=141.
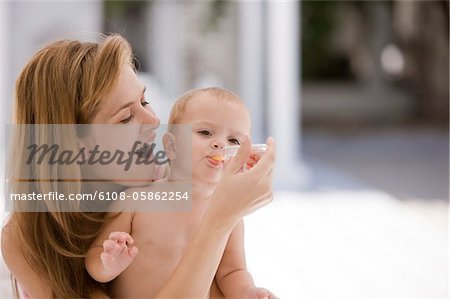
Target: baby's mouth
x=218, y=158
x=215, y=161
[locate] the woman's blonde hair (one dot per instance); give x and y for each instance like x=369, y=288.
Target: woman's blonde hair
x=64, y=83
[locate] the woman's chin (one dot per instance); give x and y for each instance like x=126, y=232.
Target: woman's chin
x=136, y=183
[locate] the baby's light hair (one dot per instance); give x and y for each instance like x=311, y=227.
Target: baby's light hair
x=179, y=108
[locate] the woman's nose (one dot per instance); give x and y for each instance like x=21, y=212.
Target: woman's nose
x=149, y=123
x=149, y=118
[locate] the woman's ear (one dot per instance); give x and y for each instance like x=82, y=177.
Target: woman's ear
x=169, y=143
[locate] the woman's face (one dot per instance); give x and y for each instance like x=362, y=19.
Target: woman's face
x=126, y=103
x=125, y=120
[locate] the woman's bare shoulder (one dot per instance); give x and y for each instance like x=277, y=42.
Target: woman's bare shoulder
x=12, y=252
x=9, y=241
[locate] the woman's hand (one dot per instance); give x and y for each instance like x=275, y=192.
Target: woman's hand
x=239, y=193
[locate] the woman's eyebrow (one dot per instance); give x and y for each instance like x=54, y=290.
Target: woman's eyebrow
x=130, y=103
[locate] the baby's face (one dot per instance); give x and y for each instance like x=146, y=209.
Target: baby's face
x=215, y=124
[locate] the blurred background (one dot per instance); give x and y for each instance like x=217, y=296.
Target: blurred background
x=356, y=94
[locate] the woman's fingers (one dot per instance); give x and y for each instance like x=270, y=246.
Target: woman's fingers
x=243, y=152
x=245, y=191
x=266, y=163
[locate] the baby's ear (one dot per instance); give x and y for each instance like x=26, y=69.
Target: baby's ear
x=169, y=143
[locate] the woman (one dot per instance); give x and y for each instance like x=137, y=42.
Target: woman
x=70, y=82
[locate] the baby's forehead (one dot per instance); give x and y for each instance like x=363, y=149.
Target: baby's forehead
x=208, y=101
x=213, y=95
x=214, y=107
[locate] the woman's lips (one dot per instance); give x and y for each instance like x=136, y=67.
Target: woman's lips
x=151, y=137
x=146, y=149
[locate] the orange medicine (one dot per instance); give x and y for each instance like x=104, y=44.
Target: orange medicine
x=218, y=158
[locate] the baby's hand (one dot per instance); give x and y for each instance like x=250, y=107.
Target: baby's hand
x=259, y=293
x=118, y=252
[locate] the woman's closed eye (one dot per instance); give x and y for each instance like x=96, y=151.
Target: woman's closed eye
x=126, y=120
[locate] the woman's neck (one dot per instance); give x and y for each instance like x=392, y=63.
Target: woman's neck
x=92, y=187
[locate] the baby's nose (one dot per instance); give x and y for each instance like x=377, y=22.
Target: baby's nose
x=218, y=144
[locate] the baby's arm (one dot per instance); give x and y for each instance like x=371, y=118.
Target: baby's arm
x=232, y=276
x=112, y=251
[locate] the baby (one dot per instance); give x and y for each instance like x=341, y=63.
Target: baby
x=217, y=118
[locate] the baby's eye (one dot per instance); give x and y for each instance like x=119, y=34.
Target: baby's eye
x=205, y=132
x=234, y=141
x=144, y=103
